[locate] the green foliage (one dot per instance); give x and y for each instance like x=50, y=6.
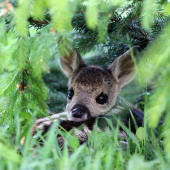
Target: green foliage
x=92, y=14
x=22, y=13
x=40, y=53
x=102, y=152
x=157, y=70
x=11, y=156
x=39, y=9
x=140, y=133
x=30, y=30
x=148, y=11
x=61, y=14
x=137, y=162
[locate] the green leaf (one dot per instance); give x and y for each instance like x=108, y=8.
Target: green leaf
x=22, y=53
x=156, y=64
x=22, y=13
x=167, y=8
x=140, y=133
x=92, y=13
x=166, y=135
x=137, y=163
x=74, y=142
x=38, y=10
x=129, y=133
x=61, y=14
x=102, y=28
x=118, y=2
x=104, y=138
x=9, y=154
x=148, y=12
x=25, y=116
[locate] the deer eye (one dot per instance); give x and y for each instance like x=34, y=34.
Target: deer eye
x=70, y=94
x=102, y=99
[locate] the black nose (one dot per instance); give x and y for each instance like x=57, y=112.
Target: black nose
x=77, y=112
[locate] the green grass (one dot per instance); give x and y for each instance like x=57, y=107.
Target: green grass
x=101, y=151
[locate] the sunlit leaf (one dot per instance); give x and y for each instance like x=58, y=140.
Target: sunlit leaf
x=92, y=13
x=167, y=8
x=22, y=14
x=74, y=143
x=140, y=133
x=148, y=11
x=61, y=14
x=137, y=162
x=9, y=154
x=39, y=8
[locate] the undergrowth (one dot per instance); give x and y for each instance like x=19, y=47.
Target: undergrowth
x=103, y=150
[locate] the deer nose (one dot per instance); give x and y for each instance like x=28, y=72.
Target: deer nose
x=77, y=112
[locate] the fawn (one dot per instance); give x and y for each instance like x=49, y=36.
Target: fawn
x=92, y=94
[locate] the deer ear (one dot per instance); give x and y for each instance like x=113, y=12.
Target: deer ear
x=123, y=68
x=71, y=62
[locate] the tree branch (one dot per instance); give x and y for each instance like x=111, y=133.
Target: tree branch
x=125, y=24
x=38, y=22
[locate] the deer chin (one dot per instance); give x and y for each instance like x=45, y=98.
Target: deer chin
x=75, y=119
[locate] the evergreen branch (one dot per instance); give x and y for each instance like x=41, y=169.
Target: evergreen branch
x=160, y=13
x=38, y=102
x=22, y=82
x=38, y=22
x=143, y=41
x=142, y=32
x=87, y=42
x=126, y=10
x=77, y=18
x=113, y=19
x=157, y=26
x=11, y=82
x=22, y=86
x=133, y=35
x=80, y=11
x=125, y=24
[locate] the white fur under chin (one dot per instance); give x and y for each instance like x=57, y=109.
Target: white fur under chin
x=71, y=118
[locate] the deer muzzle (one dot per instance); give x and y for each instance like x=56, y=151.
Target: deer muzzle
x=79, y=113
